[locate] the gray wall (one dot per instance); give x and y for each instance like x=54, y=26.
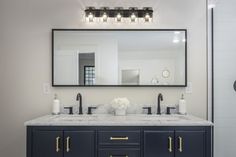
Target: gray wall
x=25, y=59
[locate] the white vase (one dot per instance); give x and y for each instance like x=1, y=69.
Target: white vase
x=120, y=112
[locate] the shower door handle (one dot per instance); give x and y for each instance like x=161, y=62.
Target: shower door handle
x=235, y=85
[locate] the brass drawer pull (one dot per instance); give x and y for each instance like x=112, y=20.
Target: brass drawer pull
x=180, y=144
x=118, y=156
x=58, y=144
x=170, y=144
x=67, y=144
x=119, y=138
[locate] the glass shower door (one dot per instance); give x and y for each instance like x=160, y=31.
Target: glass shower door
x=224, y=78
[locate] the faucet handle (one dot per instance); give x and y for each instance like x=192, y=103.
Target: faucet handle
x=70, y=108
x=168, y=109
x=90, y=109
x=149, y=109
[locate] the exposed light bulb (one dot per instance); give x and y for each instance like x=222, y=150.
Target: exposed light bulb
x=133, y=17
x=104, y=17
x=118, y=17
x=147, y=17
x=90, y=17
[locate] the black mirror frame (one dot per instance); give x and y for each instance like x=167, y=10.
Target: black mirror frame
x=54, y=85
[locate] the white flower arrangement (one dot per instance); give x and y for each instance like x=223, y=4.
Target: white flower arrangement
x=120, y=105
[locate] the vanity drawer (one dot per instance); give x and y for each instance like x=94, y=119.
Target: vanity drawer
x=120, y=152
x=119, y=137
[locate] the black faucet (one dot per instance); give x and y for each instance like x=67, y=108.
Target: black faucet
x=159, y=99
x=79, y=98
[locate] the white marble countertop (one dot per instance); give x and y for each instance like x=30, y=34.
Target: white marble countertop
x=111, y=120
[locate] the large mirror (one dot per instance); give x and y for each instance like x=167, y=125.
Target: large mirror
x=119, y=57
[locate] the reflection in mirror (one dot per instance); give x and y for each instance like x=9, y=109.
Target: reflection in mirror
x=86, y=69
x=130, y=77
x=119, y=57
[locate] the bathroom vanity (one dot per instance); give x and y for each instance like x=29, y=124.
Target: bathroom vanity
x=119, y=136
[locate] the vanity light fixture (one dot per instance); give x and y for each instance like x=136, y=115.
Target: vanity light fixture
x=104, y=14
x=90, y=17
x=119, y=14
x=118, y=17
x=147, y=17
x=147, y=14
x=90, y=14
x=133, y=14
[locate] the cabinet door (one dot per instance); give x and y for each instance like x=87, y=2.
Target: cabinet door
x=47, y=144
x=158, y=143
x=190, y=143
x=79, y=144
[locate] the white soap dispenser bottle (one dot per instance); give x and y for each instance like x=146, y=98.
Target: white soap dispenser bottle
x=56, y=105
x=182, y=105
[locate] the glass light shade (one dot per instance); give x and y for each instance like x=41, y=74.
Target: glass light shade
x=133, y=17
x=104, y=17
x=118, y=17
x=147, y=17
x=90, y=17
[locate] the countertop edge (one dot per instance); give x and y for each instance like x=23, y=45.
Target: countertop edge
x=47, y=120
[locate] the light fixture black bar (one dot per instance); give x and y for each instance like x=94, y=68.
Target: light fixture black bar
x=125, y=12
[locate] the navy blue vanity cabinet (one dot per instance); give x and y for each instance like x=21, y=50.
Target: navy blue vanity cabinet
x=79, y=144
x=61, y=143
x=119, y=137
x=178, y=142
x=190, y=143
x=119, y=141
x=47, y=144
x=158, y=143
